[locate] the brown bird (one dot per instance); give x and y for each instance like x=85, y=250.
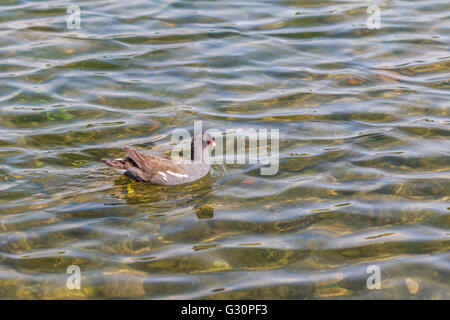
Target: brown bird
x=163, y=170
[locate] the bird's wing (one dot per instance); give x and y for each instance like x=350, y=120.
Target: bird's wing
x=151, y=164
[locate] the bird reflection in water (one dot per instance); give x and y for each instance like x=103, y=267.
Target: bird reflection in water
x=157, y=197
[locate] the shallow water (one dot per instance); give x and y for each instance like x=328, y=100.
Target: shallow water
x=364, y=149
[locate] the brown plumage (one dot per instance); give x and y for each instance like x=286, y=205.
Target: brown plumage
x=163, y=170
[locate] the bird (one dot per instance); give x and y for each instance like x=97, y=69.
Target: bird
x=163, y=170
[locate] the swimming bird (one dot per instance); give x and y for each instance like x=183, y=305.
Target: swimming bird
x=163, y=170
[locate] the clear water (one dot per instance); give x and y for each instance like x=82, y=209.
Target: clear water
x=364, y=153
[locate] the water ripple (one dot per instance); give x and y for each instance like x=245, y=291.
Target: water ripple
x=364, y=163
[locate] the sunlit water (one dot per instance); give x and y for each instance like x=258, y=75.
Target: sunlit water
x=364, y=128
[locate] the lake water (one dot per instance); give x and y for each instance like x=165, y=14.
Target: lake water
x=363, y=181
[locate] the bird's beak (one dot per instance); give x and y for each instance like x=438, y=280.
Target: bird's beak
x=212, y=142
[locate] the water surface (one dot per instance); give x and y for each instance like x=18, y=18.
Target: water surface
x=364, y=151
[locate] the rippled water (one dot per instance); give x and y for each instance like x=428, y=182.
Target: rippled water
x=364, y=151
